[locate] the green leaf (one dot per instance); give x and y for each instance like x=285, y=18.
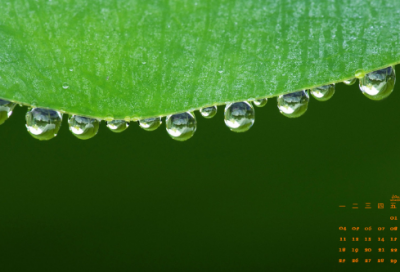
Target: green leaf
x=132, y=58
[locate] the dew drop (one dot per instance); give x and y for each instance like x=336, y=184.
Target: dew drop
x=150, y=124
x=208, y=112
x=143, y=62
x=181, y=126
x=379, y=84
x=65, y=85
x=294, y=104
x=117, y=126
x=83, y=127
x=350, y=81
x=323, y=93
x=6, y=109
x=260, y=102
x=359, y=73
x=239, y=116
x=43, y=124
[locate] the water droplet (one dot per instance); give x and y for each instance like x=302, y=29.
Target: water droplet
x=294, y=104
x=323, y=93
x=71, y=70
x=65, y=85
x=150, y=124
x=260, y=102
x=379, y=84
x=221, y=71
x=143, y=62
x=350, y=81
x=117, y=125
x=359, y=73
x=6, y=108
x=209, y=112
x=43, y=124
x=181, y=126
x=239, y=116
x=83, y=127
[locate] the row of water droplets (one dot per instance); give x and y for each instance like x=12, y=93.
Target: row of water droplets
x=44, y=124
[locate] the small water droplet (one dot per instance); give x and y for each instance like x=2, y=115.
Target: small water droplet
x=6, y=109
x=181, y=126
x=379, y=84
x=65, y=85
x=359, y=73
x=117, y=126
x=221, y=71
x=323, y=93
x=260, y=102
x=150, y=124
x=83, y=127
x=350, y=81
x=209, y=112
x=239, y=116
x=294, y=104
x=71, y=70
x=143, y=62
x=43, y=124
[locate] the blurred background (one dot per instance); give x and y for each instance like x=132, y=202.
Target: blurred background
x=222, y=201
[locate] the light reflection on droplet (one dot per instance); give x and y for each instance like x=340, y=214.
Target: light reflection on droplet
x=239, y=116
x=293, y=105
x=150, y=124
x=43, y=124
x=379, y=84
x=181, y=126
x=83, y=127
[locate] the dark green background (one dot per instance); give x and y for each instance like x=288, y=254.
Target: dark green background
x=262, y=200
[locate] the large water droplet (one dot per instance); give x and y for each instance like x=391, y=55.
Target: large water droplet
x=65, y=85
x=379, y=84
x=150, y=124
x=43, y=124
x=208, y=112
x=323, y=93
x=181, y=126
x=260, y=102
x=6, y=108
x=350, y=81
x=83, y=127
x=239, y=116
x=117, y=125
x=294, y=104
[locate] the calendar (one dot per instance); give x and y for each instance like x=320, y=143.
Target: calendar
x=368, y=232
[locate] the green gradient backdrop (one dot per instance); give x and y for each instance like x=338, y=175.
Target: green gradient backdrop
x=139, y=201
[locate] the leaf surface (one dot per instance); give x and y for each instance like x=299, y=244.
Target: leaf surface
x=136, y=59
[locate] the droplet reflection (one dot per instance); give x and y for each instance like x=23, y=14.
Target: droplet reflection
x=293, y=105
x=260, y=102
x=6, y=109
x=181, y=126
x=43, y=124
x=239, y=116
x=350, y=81
x=150, y=124
x=117, y=126
x=83, y=127
x=323, y=93
x=208, y=112
x=379, y=84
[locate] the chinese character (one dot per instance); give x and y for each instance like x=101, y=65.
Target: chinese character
x=393, y=205
x=381, y=205
x=368, y=205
